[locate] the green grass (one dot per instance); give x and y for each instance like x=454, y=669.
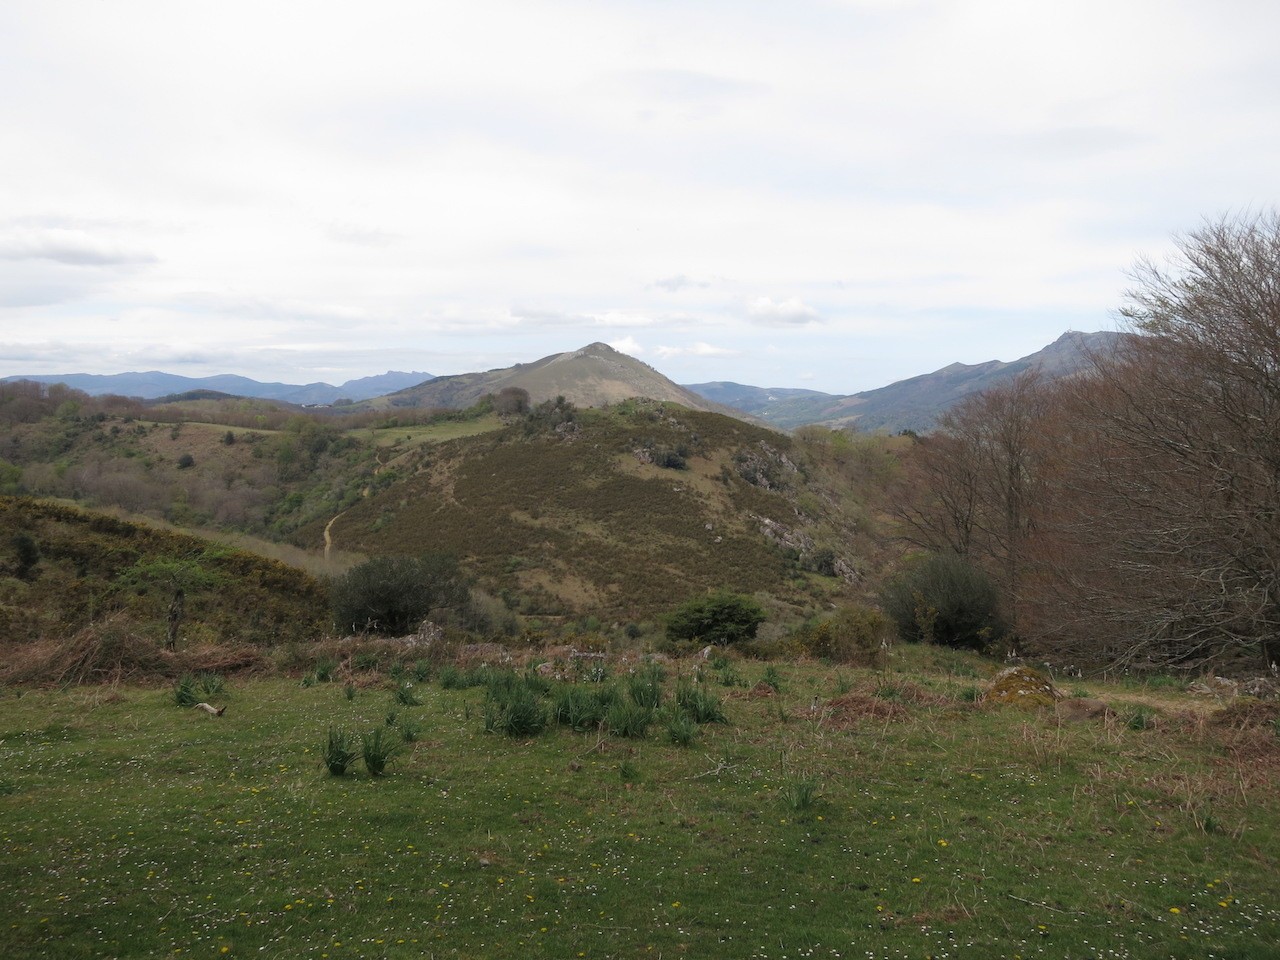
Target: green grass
x=132, y=828
x=416, y=435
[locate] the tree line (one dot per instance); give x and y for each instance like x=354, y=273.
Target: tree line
x=1131, y=512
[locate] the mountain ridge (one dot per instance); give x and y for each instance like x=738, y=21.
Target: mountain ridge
x=598, y=374
x=155, y=384
x=911, y=404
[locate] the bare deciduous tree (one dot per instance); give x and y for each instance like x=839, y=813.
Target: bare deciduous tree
x=1167, y=489
x=981, y=475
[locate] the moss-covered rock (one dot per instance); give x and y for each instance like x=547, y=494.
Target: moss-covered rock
x=1021, y=687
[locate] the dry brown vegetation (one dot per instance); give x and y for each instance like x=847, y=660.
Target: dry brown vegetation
x=1130, y=513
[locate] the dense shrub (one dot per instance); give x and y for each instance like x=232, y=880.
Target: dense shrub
x=719, y=618
x=853, y=634
x=946, y=600
x=393, y=595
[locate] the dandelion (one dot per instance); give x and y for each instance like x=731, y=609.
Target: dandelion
x=915, y=879
x=1175, y=910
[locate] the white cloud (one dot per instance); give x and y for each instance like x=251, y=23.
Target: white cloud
x=917, y=182
x=699, y=349
x=627, y=345
x=679, y=282
x=70, y=247
x=786, y=313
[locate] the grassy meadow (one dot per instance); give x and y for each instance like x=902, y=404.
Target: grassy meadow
x=837, y=813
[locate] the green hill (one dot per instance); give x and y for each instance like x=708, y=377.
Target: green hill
x=625, y=511
x=617, y=513
x=63, y=568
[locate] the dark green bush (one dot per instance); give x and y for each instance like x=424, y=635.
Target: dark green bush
x=393, y=595
x=946, y=600
x=719, y=618
x=28, y=553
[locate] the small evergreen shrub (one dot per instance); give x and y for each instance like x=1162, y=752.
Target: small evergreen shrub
x=853, y=634
x=720, y=619
x=393, y=595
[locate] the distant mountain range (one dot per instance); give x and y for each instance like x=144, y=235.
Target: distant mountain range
x=912, y=404
x=153, y=385
x=598, y=374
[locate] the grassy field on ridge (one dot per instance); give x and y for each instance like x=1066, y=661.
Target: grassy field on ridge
x=854, y=813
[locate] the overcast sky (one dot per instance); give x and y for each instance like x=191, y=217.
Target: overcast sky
x=824, y=194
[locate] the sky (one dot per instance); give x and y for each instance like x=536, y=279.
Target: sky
x=821, y=194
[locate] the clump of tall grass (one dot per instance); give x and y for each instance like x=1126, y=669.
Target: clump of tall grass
x=681, y=728
x=628, y=719
x=1141, y=719
x=800, y=793
x=645, y=687
x=581, y=708
x=338, y=752
x=324, y=669
x=698, y=704
x=378, y=749
x=406, y=696
x=453, y=677
x=185, y=691
x=514, y=703
x=192, y=688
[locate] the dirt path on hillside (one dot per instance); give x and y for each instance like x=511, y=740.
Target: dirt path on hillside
x=328, y=536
